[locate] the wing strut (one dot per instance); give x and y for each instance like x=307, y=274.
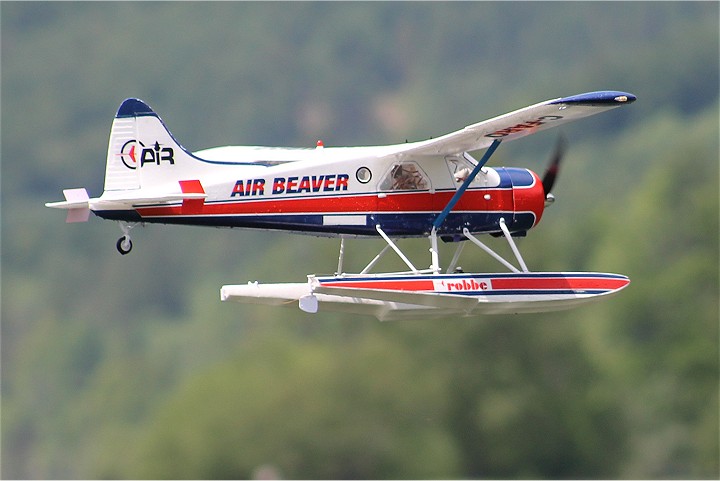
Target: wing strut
x=455, y=198
x=341, y=257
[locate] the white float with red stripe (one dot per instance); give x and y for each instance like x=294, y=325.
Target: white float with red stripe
x=409, y=296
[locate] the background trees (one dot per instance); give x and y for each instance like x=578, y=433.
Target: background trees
x=130, y=367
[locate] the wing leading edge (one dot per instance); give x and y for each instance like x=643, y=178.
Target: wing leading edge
x=521, y=123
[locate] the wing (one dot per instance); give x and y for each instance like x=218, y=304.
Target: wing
x=520, y=123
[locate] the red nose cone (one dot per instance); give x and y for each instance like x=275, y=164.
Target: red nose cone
x=531, y=199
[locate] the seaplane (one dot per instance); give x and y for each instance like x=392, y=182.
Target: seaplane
x=432, y=189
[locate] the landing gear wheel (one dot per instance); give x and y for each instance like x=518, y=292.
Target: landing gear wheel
x=124, y=245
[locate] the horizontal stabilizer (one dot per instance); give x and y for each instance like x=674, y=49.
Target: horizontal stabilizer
x=74, y=198
x=76, y=203
x=158, y=199
x=191, y=190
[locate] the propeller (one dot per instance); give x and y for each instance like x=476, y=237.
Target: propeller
x=553, y=169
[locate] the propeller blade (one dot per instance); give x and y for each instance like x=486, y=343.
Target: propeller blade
x=551, y=173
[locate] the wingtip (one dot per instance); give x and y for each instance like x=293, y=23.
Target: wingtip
x=603, y=97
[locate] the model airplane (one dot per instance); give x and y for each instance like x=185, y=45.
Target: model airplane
x=433, y=189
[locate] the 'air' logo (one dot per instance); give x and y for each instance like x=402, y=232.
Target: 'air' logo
x=134, y=151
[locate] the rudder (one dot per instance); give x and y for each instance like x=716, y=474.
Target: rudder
x=139, y=139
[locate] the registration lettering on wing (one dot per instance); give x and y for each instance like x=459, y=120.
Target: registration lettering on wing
x=523, y=126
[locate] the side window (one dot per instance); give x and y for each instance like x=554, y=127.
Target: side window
x=405, y=176
x=460, y=169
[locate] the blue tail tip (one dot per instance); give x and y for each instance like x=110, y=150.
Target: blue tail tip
x=603, y=97
x=133, y=108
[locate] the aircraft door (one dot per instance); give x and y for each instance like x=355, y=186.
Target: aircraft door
x=404, y=197
x=478, y=199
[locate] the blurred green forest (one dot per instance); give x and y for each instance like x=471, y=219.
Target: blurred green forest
x=131, y=367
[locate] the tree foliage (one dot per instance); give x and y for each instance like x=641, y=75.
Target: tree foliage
x=130, y=367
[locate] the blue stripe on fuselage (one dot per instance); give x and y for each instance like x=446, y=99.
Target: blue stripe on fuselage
x=393, y=224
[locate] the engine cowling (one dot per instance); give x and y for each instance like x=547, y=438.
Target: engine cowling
x=528, y=199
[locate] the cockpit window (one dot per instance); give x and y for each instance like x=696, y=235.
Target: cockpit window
x=405, y=176
x=460, y=168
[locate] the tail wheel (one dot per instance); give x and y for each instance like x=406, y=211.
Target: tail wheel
x=124, y=245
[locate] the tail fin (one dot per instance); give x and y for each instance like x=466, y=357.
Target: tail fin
x=145, y=164
x=141, y=151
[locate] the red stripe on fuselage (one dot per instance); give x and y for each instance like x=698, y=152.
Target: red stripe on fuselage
x=192, y=206
x=473, y=201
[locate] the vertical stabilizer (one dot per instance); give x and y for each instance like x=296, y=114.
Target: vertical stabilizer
x=142, y=153
x=121, y=168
